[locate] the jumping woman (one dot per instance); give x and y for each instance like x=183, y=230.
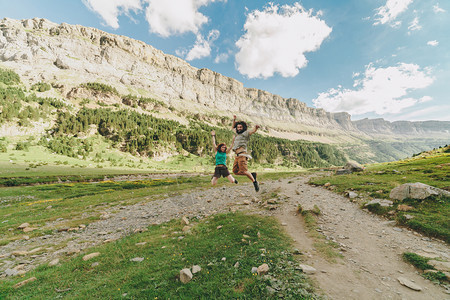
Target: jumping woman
x=220, y=152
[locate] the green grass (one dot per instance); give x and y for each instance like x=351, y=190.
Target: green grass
x=430, y=216
x=165, y=255
x=421, y=263
x=71, y=201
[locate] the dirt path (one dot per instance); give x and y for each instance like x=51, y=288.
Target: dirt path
x=371, y=247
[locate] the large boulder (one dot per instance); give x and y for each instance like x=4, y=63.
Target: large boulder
x=354, y=166
x=416, y=190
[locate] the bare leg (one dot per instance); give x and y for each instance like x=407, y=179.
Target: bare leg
x=214, y=180
x=249, y=175
x=231, y=178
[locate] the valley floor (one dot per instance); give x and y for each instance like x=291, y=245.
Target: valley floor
x=371, y=247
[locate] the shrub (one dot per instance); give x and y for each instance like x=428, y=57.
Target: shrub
x=9, y=77
x=417, y=261
x=100, y=87
x=22, y=146
x=41, y=87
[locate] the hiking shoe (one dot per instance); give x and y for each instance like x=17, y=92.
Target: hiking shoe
x=254, y=175
x=235, y=181
x=256, y=185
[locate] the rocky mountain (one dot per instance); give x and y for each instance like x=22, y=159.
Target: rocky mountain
x=69, y=55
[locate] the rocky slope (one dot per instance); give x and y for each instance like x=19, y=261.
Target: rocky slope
x=68, y=55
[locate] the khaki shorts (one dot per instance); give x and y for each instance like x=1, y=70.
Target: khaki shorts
x=240, y=165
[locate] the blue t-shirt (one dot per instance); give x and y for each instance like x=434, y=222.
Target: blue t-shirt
x=221, y=158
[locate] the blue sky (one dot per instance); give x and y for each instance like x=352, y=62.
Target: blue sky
x=371, y=58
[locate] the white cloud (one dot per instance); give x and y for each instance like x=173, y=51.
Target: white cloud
x=414, y=25
x=380, y=90
x=202, y=47
x=221, y=58
x=433, y=43
x=389, y=12
x=169, y=17
x=109, y=10
x=437, y=9
x=276, y=40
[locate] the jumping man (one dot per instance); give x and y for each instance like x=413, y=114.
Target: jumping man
x=240, y=148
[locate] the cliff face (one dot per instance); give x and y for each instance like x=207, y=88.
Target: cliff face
x=40, y=50
x=381, y=126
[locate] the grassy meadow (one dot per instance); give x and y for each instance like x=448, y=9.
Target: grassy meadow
x=430, y=216
x=164, y=254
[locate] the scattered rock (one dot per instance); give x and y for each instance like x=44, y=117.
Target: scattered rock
x=90, y=256
x=408, y=283
x=185, y=275
x=443, y=266
x=141, y=244
x=137, y=259
x=404, y=207
x=307, y=269
x=96, y=264
x=24, y=225
x=54, y=262
x=236, y=265
x=196, y=269
x=224, y=258
x=29, y=229
x=416, y=191
x=352, y=195
x=11, y=272
x=254, y=270
x=19, y=253
x=353, y=166
x=185, y=220
x=246, y=202
x=327, y=184
x=22, y=283
x=263, y=269
x=381, y=202
x=186, y=228
x=408, y=217
x=220, y=226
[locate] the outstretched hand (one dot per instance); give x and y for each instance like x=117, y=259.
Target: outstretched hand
x=257, y=126
x=234, y=117
x=213, y=133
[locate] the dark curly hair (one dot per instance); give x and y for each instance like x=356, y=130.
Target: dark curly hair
x=219, y=147
x=244, y=125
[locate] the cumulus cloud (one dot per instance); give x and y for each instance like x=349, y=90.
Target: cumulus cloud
x=202, y=46
x=389, y=12
x=109, y=10
x=414, y=25
x=276, y=40
x=437, y=9
x=379, y=90
x=221, y=58
x=169, y=17
x=433, y=43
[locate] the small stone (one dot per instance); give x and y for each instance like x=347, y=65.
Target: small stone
x=137, y=259
x=296, y=251
x=24, y=225
x=26, y=237
x=352, y=195
x=11, y=272
x=22, y=283
x=283, y=224
x=307, y=269
x=378, y=290
x=29, y=229
x=186, y=228
x=408, y=283
x=105, y=216
x=404, y=207
x=35, y=250
x=82, y=226
x=185, y=275
x=254, y=270
x=102, y=233
x=236, y=265
x=196, y=269
x=96, y=264
x=246, y=202
x=220, y=226
x=90, y=256
x=263, y=269
x=397, y=229
x=49, y=207
x=245, y=236
x=224, y=258
x=54, y=262
x=185, y=220
x=327, y=184
x=141, y=244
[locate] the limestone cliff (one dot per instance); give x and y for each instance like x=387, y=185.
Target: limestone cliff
x=68, y=55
